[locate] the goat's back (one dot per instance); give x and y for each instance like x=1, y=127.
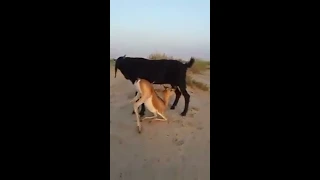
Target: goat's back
x=157, y=71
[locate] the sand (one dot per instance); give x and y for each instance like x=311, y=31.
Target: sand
x=178, y=150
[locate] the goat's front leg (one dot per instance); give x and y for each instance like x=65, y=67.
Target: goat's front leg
x=143, y=109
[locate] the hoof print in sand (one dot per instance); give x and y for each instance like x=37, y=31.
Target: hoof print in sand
x=195, y=108
x=193, y=111
x=199, y=128
x=178, y=142
x=191, y=115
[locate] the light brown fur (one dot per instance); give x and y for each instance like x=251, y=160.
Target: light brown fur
x=148, y=91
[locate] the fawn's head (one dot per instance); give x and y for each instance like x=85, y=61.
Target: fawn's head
x=168, y=92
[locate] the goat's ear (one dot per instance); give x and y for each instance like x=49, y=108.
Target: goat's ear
x=124, y=56
x=164, y=87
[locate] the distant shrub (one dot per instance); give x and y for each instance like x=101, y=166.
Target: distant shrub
x=158, y=56
x=198, y=66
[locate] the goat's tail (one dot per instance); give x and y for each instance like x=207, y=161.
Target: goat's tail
x=190, y=63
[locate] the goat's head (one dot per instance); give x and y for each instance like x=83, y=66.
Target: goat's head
x=121, y=57
x=118, y=61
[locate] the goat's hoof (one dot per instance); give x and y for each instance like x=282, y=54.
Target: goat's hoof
x=183, y=114
x=141, y=114
x=139, y=129
x=133, y=112
x=172, y=107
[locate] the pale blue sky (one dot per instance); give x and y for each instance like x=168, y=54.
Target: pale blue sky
x=179, y=28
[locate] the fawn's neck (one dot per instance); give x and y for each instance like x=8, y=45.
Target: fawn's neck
x=163, y=103
x=166, y=101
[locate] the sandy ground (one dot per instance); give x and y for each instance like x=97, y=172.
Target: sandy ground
x=178, y=150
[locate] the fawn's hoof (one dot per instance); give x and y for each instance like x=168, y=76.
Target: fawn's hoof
x=139, y=129
x=172, y=107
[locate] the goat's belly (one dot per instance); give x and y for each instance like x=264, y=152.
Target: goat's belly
x=149, y=105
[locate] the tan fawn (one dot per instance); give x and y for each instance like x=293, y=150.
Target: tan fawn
x=152, y=101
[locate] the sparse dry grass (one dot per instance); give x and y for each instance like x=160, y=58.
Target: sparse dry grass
x=112, y=63
x=158, y=56
x=199, y=66
x=193, y=83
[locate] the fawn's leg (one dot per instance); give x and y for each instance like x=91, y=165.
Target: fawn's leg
x=142, y=107
x=135, y=108
x=135, y=98
x=151, y=117
x=164, y=118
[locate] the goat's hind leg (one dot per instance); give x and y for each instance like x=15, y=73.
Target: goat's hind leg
x=178, y=94
x=186, y=101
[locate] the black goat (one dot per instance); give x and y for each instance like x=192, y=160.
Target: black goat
x=171, y=72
